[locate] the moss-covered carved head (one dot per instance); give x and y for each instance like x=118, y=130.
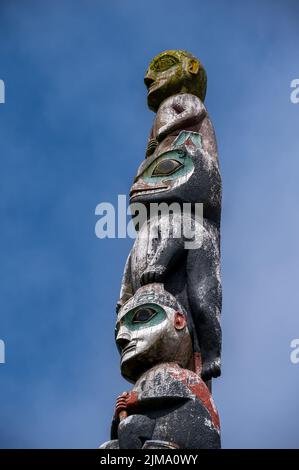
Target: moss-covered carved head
x=173, y=72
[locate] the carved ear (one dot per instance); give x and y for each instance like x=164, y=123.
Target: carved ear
x=193, y=66
x=179, y=321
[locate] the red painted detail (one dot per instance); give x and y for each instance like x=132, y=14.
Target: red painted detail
x=189, y=142
x=197, y=386
x=179, y=320
x=128, y=402
x=203, y=393
x=197, y=363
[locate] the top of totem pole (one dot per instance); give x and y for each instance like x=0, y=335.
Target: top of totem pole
x=172, y=72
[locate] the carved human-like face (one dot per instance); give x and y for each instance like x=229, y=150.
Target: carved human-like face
x=172, y=72
x=148, y=332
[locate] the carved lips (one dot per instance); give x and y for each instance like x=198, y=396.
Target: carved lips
x=140, y=187
x=130, y=347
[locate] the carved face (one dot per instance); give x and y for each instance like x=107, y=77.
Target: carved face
x=150, y=330
x=172, y=72
x=184, y=174
x=163, y=173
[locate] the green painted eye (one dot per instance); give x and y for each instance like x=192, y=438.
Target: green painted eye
x=166, y=167
x=170, y=165
x=164, y=63
x=143, y=315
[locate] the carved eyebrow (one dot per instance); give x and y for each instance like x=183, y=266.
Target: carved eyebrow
x=121, y=319
x=163, y=61
x=145, y=164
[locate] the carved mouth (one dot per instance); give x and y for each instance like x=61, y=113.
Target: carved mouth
x=140, y=192
x=155, y=85
x=129, y=348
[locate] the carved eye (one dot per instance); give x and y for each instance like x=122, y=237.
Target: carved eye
x=143, y=315
x=164, y=63
x=166, y=167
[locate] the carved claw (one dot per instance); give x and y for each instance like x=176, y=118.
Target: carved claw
x=147, y=277
x=152, y=275
x=151, y=147
x=211, y=369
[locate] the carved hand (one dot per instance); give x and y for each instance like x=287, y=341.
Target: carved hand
x=151, y=147
x=153, y=274
x=162, y=132
x=125, y=402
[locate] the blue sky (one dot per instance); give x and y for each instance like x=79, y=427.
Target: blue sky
x=72, y=132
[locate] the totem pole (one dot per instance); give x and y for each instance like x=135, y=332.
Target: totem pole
x=168, y=316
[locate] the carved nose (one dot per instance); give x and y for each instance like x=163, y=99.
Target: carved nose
x=122, y=341
x=148, y=81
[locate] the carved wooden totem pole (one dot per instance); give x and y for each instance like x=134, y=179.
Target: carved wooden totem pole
x=168, y=316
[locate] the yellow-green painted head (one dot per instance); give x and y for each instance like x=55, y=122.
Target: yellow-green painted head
x=173, y=72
